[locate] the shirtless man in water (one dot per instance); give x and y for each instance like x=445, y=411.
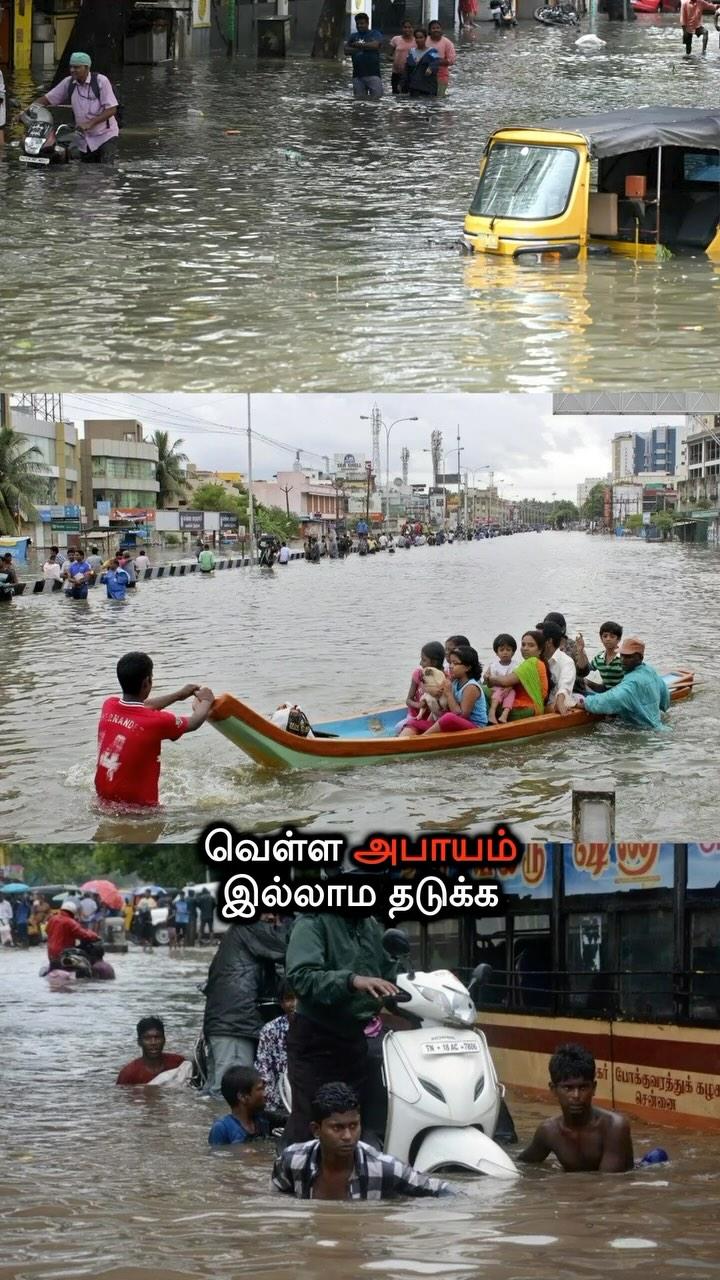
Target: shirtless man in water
x=584, y=1138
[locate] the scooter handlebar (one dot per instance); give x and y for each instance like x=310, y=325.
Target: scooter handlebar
x=400, y=997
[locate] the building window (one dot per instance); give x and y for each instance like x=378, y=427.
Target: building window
x=695, y=453
x=46, y=447
x=122, y=469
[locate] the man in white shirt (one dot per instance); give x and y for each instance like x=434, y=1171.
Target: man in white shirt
x=283, y=554
x=52, y=569
x=562, y=670
x=141, y=562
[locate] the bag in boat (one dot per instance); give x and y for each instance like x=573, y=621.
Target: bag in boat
x=292, y=719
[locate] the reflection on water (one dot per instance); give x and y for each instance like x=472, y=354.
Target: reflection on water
x=103, y=1182
x=292, y=253
x=298, y=634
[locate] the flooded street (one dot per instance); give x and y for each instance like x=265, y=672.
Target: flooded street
x=85, y=1187
x=340, y=637
x=292, y=254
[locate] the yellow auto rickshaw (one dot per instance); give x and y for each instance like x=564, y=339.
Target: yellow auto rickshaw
x=642, y=182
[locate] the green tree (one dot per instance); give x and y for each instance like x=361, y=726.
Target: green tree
x=20, y=483
x=664, y=521
x=214, y=497
x=275, y=520
x=563, y=514
x=593, y=508
x=168, y=469
x=171, y=864
x=634, y=522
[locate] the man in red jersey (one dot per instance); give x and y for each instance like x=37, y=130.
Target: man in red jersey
x=132, y=729
x=152, y=1063
x=64, y=931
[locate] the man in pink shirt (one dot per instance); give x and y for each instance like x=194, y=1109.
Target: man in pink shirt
x=401, y=46
x=94, y=106
x=691, y=21
x=445, y=50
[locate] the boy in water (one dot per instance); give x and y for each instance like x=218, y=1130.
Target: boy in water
x=584, y=1138
x=243, y=1088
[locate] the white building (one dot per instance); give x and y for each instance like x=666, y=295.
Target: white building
x=585, y=488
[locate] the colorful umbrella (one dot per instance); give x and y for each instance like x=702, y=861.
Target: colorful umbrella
x=106, y=892
x=14, y=888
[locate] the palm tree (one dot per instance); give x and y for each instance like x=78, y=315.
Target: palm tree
x=20, y=483
x=168, y=470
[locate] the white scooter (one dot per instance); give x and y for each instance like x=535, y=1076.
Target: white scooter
x=443, y=1094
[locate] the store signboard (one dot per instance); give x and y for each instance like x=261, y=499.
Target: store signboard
x=191, y=521
x=612, y=868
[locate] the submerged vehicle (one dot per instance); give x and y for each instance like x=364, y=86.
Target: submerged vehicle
x=369, y=738
x=44, y=142
x=656, y=6
x=442, y=1096
x=642, y=182
x=563, y=14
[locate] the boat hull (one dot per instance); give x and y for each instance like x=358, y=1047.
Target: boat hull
x=369, y=739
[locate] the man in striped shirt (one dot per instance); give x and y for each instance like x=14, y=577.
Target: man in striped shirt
x=607, y=663
x=336, y=1165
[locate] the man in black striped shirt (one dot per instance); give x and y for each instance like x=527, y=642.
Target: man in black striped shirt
x=336, y=1165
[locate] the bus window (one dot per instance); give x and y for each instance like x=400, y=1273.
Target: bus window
x=590, y=986
x=532, y=963
x=646, y=957
x=443, y=944
x=705, y=956
x=491, y=948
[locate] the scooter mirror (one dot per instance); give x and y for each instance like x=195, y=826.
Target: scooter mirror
x=481, y=976
x=396, y=943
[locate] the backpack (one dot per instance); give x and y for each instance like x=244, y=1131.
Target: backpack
x=95, y=87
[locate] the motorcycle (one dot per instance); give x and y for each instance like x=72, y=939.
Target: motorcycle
x=44, y=142
x=443, y=1098
x=563, y=14
x=503, y=14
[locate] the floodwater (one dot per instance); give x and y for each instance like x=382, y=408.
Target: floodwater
x=340, y=637
x=119, y=1184
x=319, y=242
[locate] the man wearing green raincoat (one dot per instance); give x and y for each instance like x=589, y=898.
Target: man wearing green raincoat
x=341, y=974
x=640, y=696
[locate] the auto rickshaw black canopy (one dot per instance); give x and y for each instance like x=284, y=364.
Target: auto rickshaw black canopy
x=614, y=133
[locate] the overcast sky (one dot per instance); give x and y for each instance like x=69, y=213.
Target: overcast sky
x=535, y=453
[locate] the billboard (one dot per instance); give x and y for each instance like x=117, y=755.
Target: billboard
x=621, y=867
x=191, y=521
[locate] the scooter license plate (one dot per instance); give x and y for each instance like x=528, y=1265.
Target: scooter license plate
x=451, y=1046
x=34, y=159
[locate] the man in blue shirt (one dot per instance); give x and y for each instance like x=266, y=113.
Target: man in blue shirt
x=641, y=695
x=116, y=581
x=364, y=48
x=78, y=574
x=243, y=1088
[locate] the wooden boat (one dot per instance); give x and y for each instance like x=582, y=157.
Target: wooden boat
x=369, y=738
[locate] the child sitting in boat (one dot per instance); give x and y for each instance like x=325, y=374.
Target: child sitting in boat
x=465, y=698
x=506, y=660
x=432, y=656
x=451, y=643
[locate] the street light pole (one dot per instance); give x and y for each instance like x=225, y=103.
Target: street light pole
x=251, y=505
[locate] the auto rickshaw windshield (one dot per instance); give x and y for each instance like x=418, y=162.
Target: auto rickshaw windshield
x=525, y=181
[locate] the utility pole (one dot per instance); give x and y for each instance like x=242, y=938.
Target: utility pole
x=251, y=503
x=457, y=521
x=376, y=425
x=466, y=500
x=287, y=490
x=368, y=473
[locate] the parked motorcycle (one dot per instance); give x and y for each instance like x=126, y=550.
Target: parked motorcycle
x=563, y=14
x=44, y=142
